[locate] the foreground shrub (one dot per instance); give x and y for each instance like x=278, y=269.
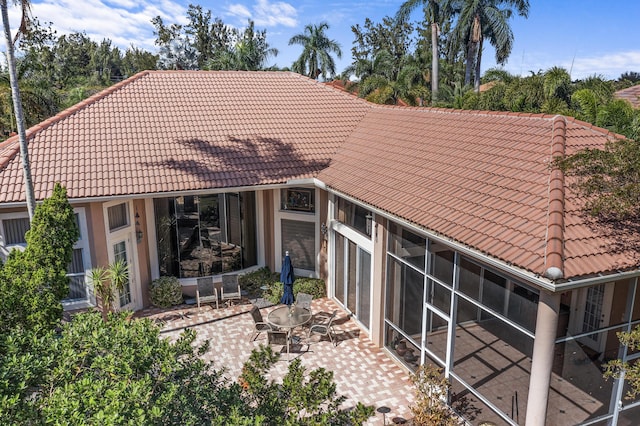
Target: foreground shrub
x=123, y=371
x=166, y=292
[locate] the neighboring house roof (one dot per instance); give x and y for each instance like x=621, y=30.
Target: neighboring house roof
x=179, y=131
x=631, y=94
x=481, y=179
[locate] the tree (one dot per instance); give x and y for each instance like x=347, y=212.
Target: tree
x=124, y=372
x=432, y=389
x=178, y=55
x=389, y=39
x=609, y=179
x=299, y=399
x=249, y=52
x=480, y=19
x=33, y=282
x=629, y=371
x=17, y=100
x=432, y=12
x=316, y=59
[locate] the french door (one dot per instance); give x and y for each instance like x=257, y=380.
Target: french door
x=121, y=251
x=595, y=303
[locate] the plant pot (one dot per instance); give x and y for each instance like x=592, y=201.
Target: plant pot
x=408, y=356
x=401, y=348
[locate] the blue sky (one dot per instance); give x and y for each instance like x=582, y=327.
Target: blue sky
x=586, y=37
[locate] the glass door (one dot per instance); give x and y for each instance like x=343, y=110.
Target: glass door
x=364, y=287
x=353, y=278
x=121, y=250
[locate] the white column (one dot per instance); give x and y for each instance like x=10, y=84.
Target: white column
x=542, y=361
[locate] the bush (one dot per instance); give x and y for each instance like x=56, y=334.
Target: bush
x=166, y=292
x=253, y=281
x=313, y=286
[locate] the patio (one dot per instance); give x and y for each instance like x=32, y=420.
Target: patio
x=362, y=372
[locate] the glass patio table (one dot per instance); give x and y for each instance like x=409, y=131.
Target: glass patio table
x=288, y=318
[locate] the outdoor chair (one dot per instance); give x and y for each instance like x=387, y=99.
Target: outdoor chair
x=206, y=292
x=304, y=301
x=230, y=289
x=324, y=327
x=259, y=324
x=277, y=337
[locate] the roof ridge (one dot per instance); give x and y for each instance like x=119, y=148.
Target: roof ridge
x=554, y=248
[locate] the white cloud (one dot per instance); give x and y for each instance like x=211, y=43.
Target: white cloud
x=267, y=14
x=609, y=65
x=124, y=22
x=240, y=11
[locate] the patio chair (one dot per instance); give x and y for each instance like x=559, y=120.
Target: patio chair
x=230, y=289
x=206, y=292
x=259, y=325
x=277, y=337
x=324, y=327
x=304, y=300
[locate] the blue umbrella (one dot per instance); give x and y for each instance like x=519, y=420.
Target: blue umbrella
x=286, y=277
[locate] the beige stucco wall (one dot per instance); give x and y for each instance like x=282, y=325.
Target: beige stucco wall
x=144, y=267
x=377, y=282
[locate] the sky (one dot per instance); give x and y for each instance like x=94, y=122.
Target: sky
x=586, y=37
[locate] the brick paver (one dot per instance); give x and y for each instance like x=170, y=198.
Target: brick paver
x=362, y=371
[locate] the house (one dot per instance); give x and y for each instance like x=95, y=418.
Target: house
x=450, y=231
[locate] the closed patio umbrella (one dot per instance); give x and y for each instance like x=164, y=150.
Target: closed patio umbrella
x=286, y=277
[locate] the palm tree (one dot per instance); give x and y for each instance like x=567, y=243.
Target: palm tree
x=15, y=92
x=433, y=15
x=480, y=19
x=316, y=59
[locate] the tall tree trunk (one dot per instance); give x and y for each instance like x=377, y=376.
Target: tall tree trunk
x=17, y=107
x=435, y=62
x=469, y=63
x=476, y=83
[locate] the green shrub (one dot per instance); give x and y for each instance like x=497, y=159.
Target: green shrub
x=313, y=286
x=166, y=292
x=253, y=281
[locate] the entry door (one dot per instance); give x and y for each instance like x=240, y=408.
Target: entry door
x=122, y=252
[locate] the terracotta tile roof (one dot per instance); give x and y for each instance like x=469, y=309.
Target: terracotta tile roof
x=631, y=94
x=482, y=179
x=174, y=131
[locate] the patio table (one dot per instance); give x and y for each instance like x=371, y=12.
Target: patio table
x=288, y=318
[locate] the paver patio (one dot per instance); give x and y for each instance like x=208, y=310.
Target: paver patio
x=362, y=372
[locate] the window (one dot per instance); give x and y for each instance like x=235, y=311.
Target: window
x=206, y=235
x=298, y=199
x=299, y=239
x=15, y=230
x=354, y=216
x=118, y=216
